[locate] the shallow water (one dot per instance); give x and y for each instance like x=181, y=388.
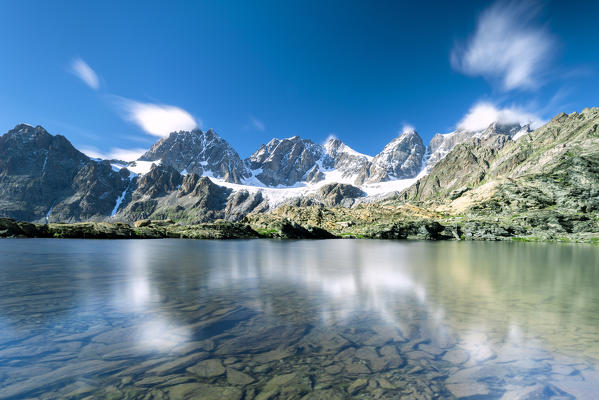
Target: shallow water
x=265, y=319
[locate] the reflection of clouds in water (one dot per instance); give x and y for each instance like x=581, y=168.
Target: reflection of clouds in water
x=349, y=280
x=137, y=296
x=441, y=292
x=477, y=345
x=161, y=334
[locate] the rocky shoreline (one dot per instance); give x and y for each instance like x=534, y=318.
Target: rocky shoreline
x=336, y=223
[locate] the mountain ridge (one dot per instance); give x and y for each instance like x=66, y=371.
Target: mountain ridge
x=195, y=176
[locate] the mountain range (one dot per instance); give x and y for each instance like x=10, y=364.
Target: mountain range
x=196, y=176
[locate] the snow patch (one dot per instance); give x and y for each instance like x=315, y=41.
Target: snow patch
x=44, y=166
x=521, y=132
x=50, y=212
x=142, y=167
x=119, y=200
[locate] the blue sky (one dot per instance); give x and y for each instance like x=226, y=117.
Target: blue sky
x=114, y=77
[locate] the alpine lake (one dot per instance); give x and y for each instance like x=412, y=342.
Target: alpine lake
x=322, y=319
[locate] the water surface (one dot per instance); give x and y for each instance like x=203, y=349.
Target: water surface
x=158, y=319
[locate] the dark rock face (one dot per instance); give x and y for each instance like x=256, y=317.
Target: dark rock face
x=206, y=194
x=159, y=181
x=164, y=193
x=95, y=190
x=335, y=194
x=402, y=158
x=242, y=202
x=200, y=153
x=285, y=162
x=40, y=172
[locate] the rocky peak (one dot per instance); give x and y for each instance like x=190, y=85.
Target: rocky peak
x=28, y=132
x=203, y=153
x=402, y=158
x=159, y=181
x=26, y=150
x=206, y=193
x=346, y=160
x=497, y=128
x=285, y=161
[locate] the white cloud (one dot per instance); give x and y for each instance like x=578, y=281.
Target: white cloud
x=407, y=128
x=483, y=114
x=257, y=124
x=332, y=136
x=507, y=46
x=158, y=119
x=115, y=153
x=81, y=70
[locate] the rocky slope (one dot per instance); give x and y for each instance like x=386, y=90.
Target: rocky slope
x=442, y=144
x=556, y=166
x=202, y=153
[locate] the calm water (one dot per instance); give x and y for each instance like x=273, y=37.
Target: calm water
x=262, y=319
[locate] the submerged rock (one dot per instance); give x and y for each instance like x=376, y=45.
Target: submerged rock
x=207, y=368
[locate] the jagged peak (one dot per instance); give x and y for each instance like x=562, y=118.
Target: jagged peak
x=272, y=142
x=334, y=146
x=24, y=128
x=408, y=135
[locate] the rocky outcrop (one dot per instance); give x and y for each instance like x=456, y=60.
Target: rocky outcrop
x=150, y=229
x=335, y=194
x=242, y=202
x=202, y=153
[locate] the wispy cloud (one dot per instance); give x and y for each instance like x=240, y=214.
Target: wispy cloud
x=508, y=46
x=115, y=153
x=483, y=114
x=83, y=71
x=157, y=119
x=256, y=124
x=407, y=128
x=332, y=136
